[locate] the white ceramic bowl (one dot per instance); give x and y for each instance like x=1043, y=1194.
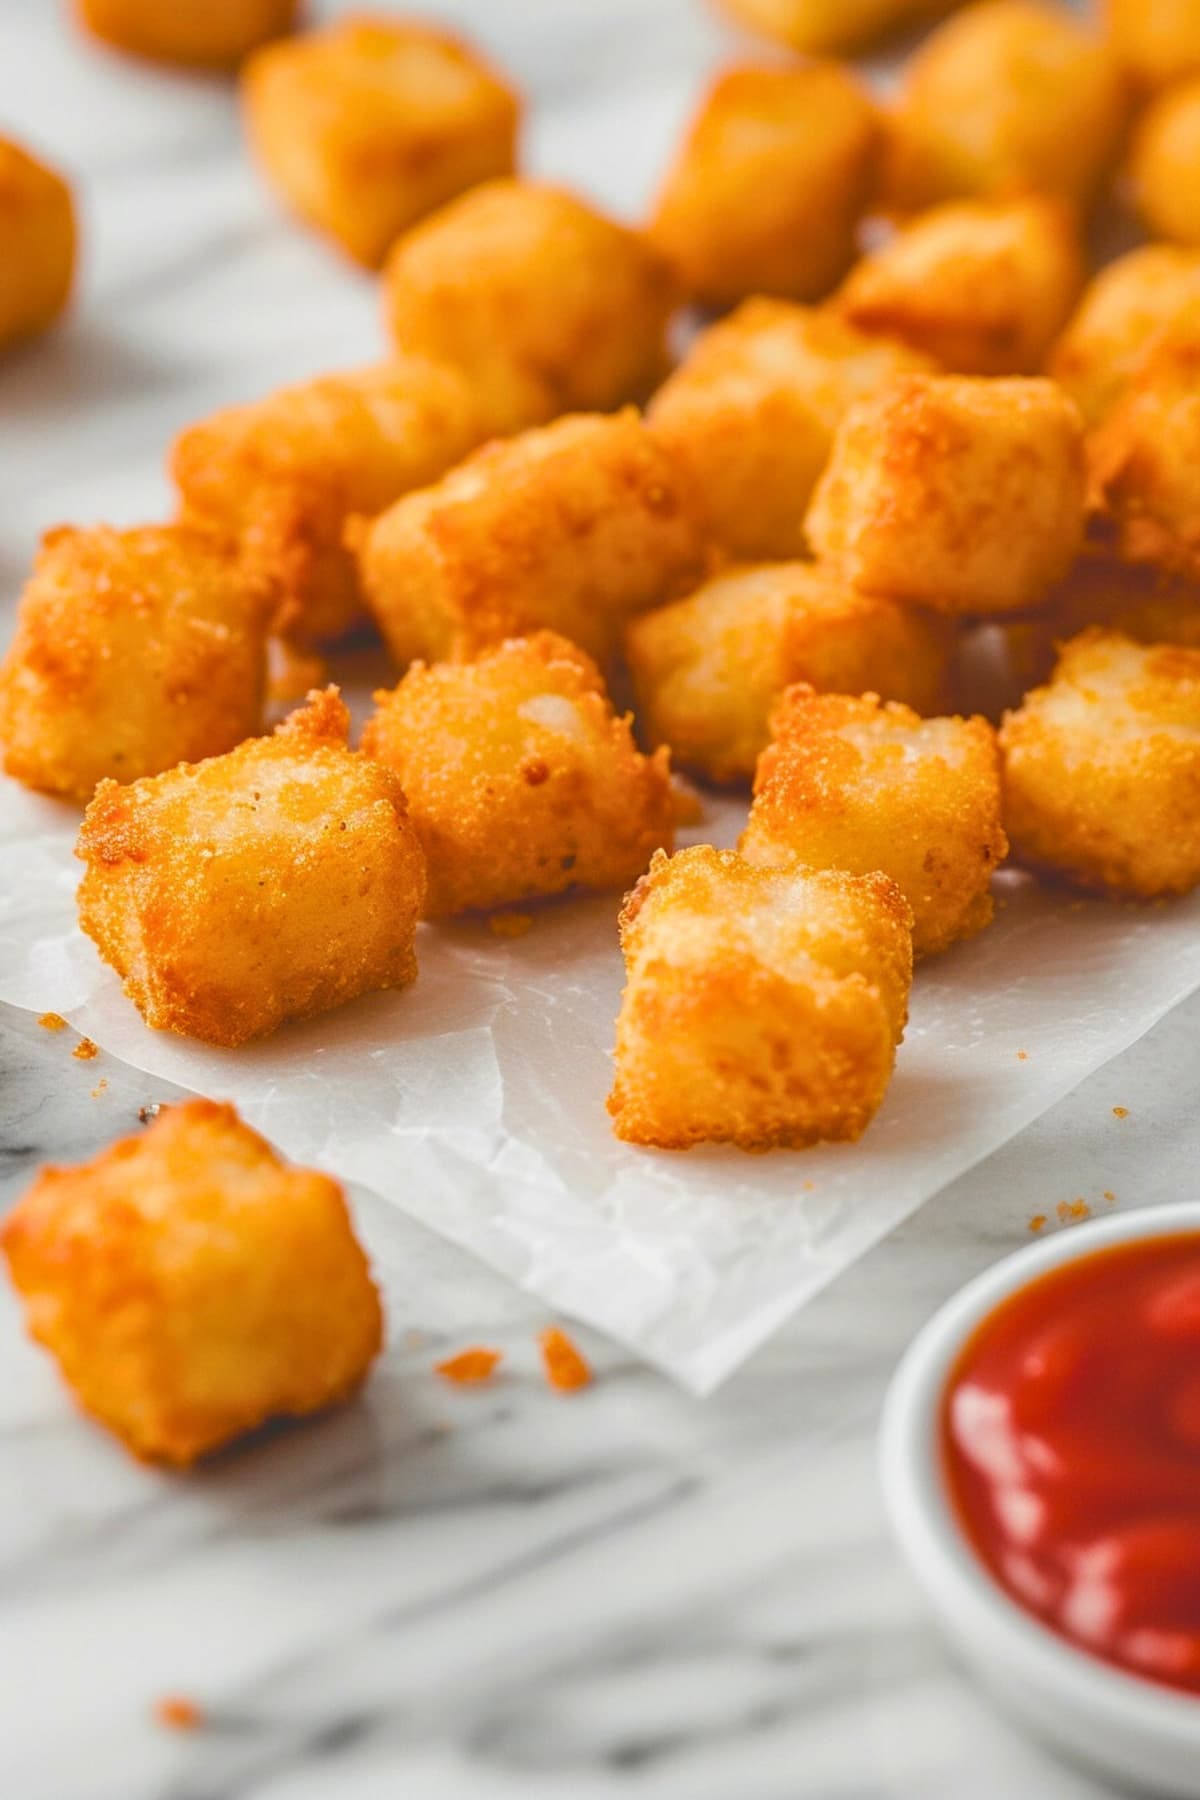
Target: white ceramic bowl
x=1118, y=1725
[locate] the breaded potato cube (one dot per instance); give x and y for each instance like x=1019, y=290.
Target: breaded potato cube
x=852, y=783
x=984, y=286
x=521, y=781
x=572, y=527
x=762, y=1007
x=1164, y=165
x=1156, y=41
x=707, y=670
x=281, y=475
x=1144, y=457
x=955, y=492
x=767, y=190
x=206, y=34
x=269, y=884
x=191, y=1285
x=368, y=124
x=547, y=305
x=1122, y=310
x=1102, y=768
x=751, y=411
x=37, y=244
x=1008, y=97
x=831, y=25
x=134, y=650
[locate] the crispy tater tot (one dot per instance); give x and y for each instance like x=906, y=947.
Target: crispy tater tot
x=762, y=1007
x=1122, y=309
x=281, y=475
x=769, y=185
x=824, y=25
x=982, y=285
x=268, y=884
x=707, y=670
x=546, y=304
x=572, y=527
x=1164, y=165
x=850, y=783
x=1156, y=41
x=207, y=34
x=37, y=244
x=373, y=121
x=191, y=1285
x=134, y=650
x=751, y=411
x=521, y=781
x=1102, y=768
x=1007, y=97
x=952, y=491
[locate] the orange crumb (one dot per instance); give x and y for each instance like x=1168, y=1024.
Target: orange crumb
x=566, y=1368
x=809, y=1186
x=1110, y=1196
x=178, y=1712
x=509, y=924
x=1038, y=1222
x=99, y=1087
x=1120, y=1112
x=1072, y=1209
x=1022, y=1056
x=475, y=1364
x=85, y=1050
x=52, y=1022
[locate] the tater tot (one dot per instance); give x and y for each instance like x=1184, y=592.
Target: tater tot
x=572, y=527
x=1008, y=97
x=1144, y=457
x=370, y=123
x=707, y=670
x=1156, y=41
x=762, y=1007
x=825, y=25
x=751, y=411
x=851, y=783
x=210, y=34
x=955, y=492
x=191, y=1285
x=521, y=781
x=268, y=884
x=281, y=475
x=1122, y=309
x=546, y=304
x=769, y=185
x=983, y=285
x=1164, y=165
x=1102, y=768
x=37, y=244
x=134, y=650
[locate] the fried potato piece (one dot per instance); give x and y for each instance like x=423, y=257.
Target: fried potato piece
x=1122, y=310
x=831, y=25
x=1144, y=457
x=707, y=670
x=955, y=492
x=191, y=1285
x=1156, y=42
x=134, y=650
x=850, y=783
x=572, y=527
x=546, y=304
x=206, y=34
x=768, y=187
x=521, y=780
x=751, y=411
x=1165, y=162
x=984, y=286
x=269, y=884
x=366, y=125
x=281, y=476
x=1102, y=768
x=37, y=244
x=762, y=1007
x=1008, y=97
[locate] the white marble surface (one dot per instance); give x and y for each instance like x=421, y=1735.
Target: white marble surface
x=444, y=1595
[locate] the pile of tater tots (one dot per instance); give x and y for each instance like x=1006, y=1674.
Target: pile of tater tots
x=916, y=421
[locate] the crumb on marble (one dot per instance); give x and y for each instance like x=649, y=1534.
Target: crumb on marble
x=509, y=924
x=1037, y=1223
x=178, y=1713
x=147, y=1113
x=1068, y=1210
x=1110, y=1197
x=566, y=1367
x=85, y=1050
x=52, y=1022
x=477, y=1363
x=99, y=1087
x=1022, y=1056
x=1120, y=1112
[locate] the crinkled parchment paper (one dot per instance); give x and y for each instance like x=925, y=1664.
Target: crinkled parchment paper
x=475, y=1100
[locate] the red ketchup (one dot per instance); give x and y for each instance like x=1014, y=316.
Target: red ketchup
x=1071, y=1443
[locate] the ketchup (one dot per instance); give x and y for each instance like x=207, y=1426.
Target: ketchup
x=1071, y=1444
